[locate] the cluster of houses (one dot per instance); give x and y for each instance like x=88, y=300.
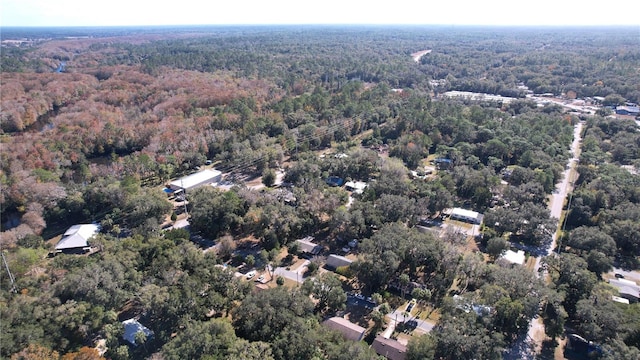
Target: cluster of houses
x=389, y=348
x=77, y=240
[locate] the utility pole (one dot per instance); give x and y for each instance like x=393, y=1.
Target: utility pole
x=12, y=279
x=185, y=197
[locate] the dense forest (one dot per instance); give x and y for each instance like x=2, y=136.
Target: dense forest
x=95, y=122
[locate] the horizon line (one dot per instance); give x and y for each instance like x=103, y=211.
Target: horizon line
x=331, y=24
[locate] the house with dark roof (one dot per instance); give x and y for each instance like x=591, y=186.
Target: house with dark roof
x=349, y=330
x=76, y=238
x=391, y=349
x=307, y=246
x=443, y=163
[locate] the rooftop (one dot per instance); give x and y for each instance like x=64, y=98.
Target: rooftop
x=391, y=349
x=348, y=329
x=307, y=245
x=199, y=178
x=514, y=257
x=131, y=328
x=337, y=261
x=356, y=186
x=77, y=236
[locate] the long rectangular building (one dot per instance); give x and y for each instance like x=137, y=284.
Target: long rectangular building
x=466, y=215
x=198, y=179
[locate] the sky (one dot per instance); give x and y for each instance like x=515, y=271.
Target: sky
x=217, y=12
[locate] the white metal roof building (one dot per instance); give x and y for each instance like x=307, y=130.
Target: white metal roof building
x=356, y=186
x=131, y=328
x=466, y=215
x=77, y=237
x=514, y=257
x=193, y=181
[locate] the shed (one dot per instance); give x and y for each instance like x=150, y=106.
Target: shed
x=391, y=349
x=348, y=329
x=131, y=328
x=204, y=177
x=336, y=261
x=77, y=237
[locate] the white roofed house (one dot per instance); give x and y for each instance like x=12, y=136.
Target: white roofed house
x=76, y=238
x=514, y=257
x=465, y=215
x=356, y=186
x=131, y=329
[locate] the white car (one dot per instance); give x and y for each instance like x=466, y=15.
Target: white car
x=250, y=274
x=260, y=278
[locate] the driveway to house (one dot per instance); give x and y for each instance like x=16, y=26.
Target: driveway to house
x=295, y=275
x=398, y=316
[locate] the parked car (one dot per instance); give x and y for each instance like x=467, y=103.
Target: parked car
x=260, y=278
x=412, y=303
x=251, y=274
x=619, y=276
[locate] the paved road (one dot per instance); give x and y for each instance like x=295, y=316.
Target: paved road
x=633, y=275
x=562, y=189
x=527, y=346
